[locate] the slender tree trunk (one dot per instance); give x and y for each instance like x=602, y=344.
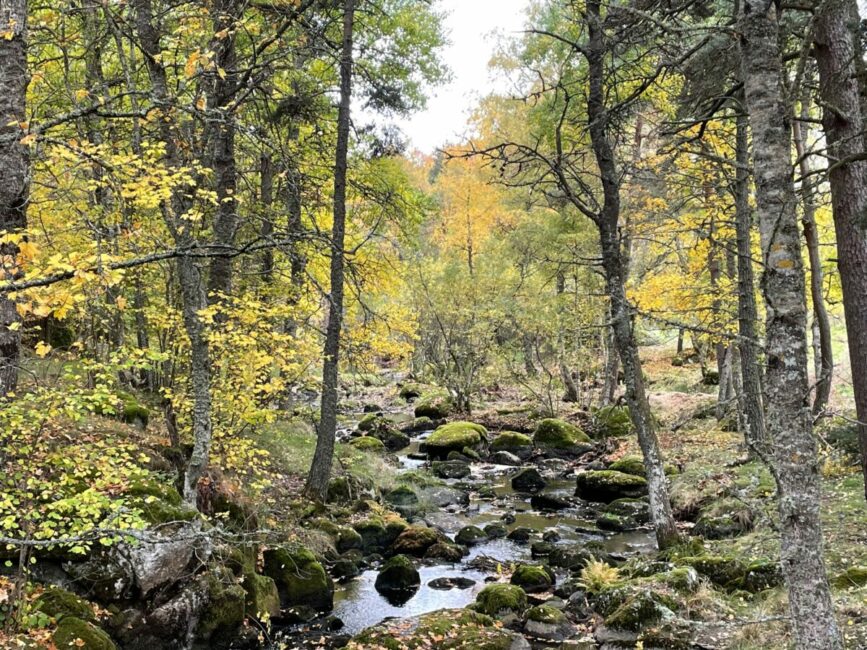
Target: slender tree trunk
x=221, y=123
x=266, y=200
x=844, y=125
x=613, y=264
x=752, y=405
x=320, y=470
x=610, y=379
x=193, y=296
x=821, y=322
x=789, y=419
x=14, y=174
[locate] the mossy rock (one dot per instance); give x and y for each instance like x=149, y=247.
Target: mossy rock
x=533, y=578
x=300, y=578
x=759, y=575
x=347, y=539
x=370, y=422
x=454, y=629
x=640, y=610
x=378, y=533
x=158, y=502
x=721, y=527
x=369, y=444
x=415, y=540
x=558, y=434
x=636, y=509
x=606, y=486
x=436, y=406
x=613, y=421
x=72, y=632
x=546, y=614
x=224, y=613
x=470, y=536
x=410, y=391
x=616, y=523
x=445, y=552
x=516, y=443
x=135, y=413
x=736, y=574
x=262, y=598
x=852, y=577
x=635, y=465
x=402, y=496
x=500, y=599
x=58, y=603
x=455, y=436
x=397, y=574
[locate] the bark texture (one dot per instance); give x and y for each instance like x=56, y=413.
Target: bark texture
x=751, y=399
x=190, y=275
x=843, y=122
x=614, y=266
x=14, y=173
x=320, y=469
x=789, y=418
x=824, y=352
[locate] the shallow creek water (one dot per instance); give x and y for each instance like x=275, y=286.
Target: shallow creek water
x=359, y=605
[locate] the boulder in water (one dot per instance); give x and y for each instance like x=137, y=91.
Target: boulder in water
x=300, y=578
x=605, y=486
x=470, y=536
x=415, y=540
x=533, y=578
x=528, y=480
x=450, y=469
x=397, y=574
x=501, y=600
x=506, y=458
x=455, y=436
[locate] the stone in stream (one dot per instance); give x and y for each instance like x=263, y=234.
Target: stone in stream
x=532, y=578
x=528, y=480
x=551, y=535
x=506, y=458
x=521, y=535
x=446, y=552
x=508, y=518
x=402, y=497
x=443, y=496
x=549, y=503
x=616, y=523
x=450, y=469
x=495, y=531
x=344, y=569
x=416, y=455
x=435, y=406
x=514, y=443
x=447, y=582
x=637, y=509
x=561, y=439
x=606, y=486
x=397, y=575
x=455, y=436
x=470, y=536
x=569, y=557
x=541, y=549
x=418, y=425
x=415, y=540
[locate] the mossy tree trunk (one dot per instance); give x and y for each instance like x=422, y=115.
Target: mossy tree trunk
x=789, y=416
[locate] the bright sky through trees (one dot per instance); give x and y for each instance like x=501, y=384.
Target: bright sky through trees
x=472, y=26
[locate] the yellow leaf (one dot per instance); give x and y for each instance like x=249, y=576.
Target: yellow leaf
x=120, y=302
x=42, y=349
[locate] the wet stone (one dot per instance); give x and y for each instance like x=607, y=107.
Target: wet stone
x=446, y=583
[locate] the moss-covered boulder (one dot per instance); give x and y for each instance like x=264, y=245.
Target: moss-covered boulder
x=500, y=600
x=370, y=421
x=369, y=444
x=604, y=486
x=547, y=622
x=378, y=533
x=300, y=578
x=445, y=552
x=132, y=411
x=455, y=436
x=436, y=406
x=453, y=629
x=558, y=435
x=641, y=609
x=410, y=391
x=450, y=469
x=735, y=573
x=470, y=536
x=514, y=443
x=224, y=613
x=397, y=574
x=533, y=578
x=720, y=527
x=159, y=502
x=635, y=465
x=58, y=603
x=262, y=600
x=347, y=539
x=612, y=421
x=415, y=541
x=72, y=632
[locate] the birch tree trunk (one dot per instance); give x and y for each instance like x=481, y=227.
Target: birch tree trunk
x=615, y=276
x=789, y=418
x=320, y=470
x=844, y=122
x=14, y=173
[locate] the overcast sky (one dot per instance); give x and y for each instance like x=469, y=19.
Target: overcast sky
x=470, y=26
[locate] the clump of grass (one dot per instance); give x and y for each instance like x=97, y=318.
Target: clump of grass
x=598, y=575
